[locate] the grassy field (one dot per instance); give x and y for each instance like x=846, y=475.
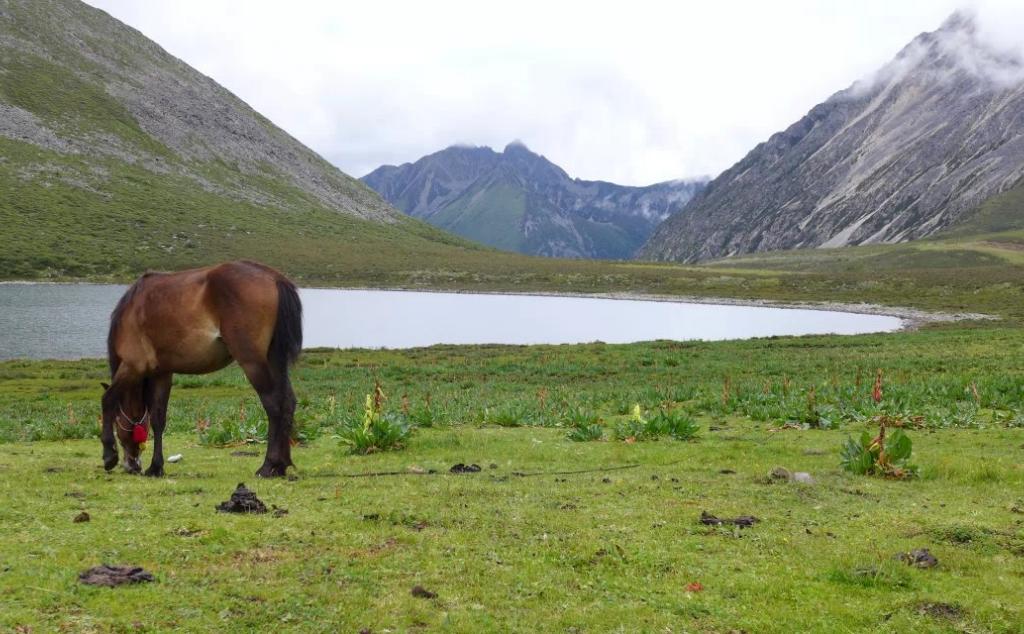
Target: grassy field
x=614, y=549
x=605, y=551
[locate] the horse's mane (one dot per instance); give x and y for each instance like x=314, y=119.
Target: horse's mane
x=115, y=322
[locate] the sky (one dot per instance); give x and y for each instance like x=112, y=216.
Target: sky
x=630, y=92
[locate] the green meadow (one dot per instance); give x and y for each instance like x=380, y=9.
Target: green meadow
x=597, y=462
x=552, y=534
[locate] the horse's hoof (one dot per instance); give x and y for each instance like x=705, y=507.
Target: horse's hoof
x=271, y=471
x=110, y=464
x=155, y=472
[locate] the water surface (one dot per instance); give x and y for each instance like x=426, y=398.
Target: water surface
x=69, y=321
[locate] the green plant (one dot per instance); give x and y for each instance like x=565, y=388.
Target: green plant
x=632, y=428
x=425, y=415
x=584, y=433
x=886, y=454
x=584, y=425
x=507, y=415
x=376, y=430
x=674, y=423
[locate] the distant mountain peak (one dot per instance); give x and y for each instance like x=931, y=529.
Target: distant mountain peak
x=519, y=200
x=964, y=20
x=517, y=146
x=958, y=46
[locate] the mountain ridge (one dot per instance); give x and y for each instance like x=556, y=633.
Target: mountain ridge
x=518, y=200
x=899, y=156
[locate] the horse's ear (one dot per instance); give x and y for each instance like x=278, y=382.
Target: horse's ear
x=106, y=386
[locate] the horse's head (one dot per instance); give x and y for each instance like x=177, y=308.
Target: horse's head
x=131, y=426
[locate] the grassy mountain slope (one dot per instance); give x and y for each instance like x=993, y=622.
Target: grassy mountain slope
x=491, y=216
x=116, y=157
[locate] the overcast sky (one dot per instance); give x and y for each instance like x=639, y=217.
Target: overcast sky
x=632, y=92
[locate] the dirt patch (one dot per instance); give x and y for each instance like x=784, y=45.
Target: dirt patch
x=242, y=501
x=743, y=521
x=187, y=532
x=376, y=549
x=465, y=468
x=110, y=576
x=918, y=558
x=948, y=611
x=257, y=556
x=422, y=593
x=81, y=517
x=78, y=495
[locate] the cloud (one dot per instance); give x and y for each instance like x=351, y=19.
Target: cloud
x=971, y=42
x=635, y=94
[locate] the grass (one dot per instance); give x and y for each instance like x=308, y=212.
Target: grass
x=544, y=552
x=601, y=551
x=817, y=381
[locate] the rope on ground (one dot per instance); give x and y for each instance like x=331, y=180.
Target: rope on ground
x=518, y=474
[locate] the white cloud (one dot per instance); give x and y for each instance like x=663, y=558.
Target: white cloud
x=629, y=92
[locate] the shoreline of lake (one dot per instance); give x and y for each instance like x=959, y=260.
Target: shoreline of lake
x=912, y=318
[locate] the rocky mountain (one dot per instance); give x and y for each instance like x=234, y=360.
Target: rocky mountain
x=898, y=156
x=116, y=156
x=519, y=201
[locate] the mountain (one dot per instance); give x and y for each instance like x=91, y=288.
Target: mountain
x=115, y=156
x=517, y=200
x=902, y=155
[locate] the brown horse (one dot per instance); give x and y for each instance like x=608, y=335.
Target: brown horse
x=195, y=322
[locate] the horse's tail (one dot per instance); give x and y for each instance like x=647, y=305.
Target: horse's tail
x=286, y=342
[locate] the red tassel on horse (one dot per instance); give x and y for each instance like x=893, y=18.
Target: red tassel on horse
x=140, y=434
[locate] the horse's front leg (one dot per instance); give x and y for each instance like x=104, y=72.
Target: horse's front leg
x=157, y=396
x=109, y=406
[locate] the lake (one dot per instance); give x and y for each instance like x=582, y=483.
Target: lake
x=68, y=321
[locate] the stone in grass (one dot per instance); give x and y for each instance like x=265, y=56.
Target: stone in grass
x=110, y=576
x=422, y=593
x=781, y=473
x=743, y=521
x=918, y=558
x=242, y=501
x=81, y=517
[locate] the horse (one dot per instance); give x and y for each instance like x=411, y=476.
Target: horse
x=196, y=322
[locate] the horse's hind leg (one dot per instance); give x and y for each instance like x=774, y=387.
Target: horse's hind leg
x=275, y=392
x=158, y=393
